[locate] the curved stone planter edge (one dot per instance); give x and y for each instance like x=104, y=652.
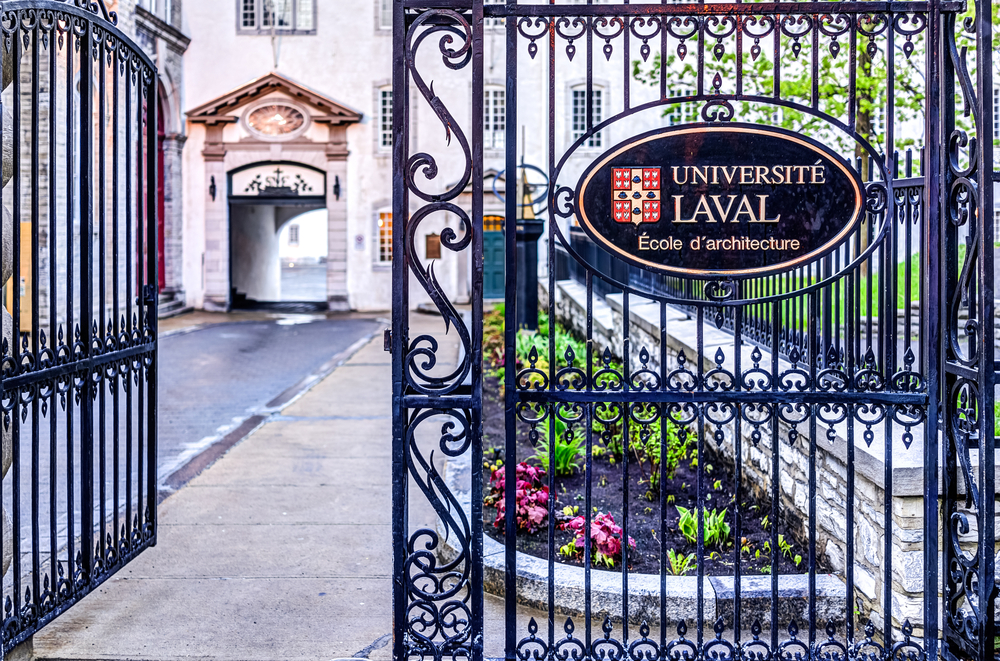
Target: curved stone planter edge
x=681, y=593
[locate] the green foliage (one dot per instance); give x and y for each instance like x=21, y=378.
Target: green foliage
x=786, y=549
x=646, y=445
x=716, y=530
x=796, y=84
x=569, y=448
x=681, y=564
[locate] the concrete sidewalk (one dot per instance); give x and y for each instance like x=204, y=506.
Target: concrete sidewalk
x=280, y=550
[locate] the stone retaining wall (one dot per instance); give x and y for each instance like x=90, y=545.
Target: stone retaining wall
x=831, y=462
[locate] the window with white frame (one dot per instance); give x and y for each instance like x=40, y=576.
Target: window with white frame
x=281, y=16
x=384, y=236
x=385, y=14
x=579, y=118
x=158, y=8
x=385, y=119
x=996, y=113
x=681, y=113
x=494, y=22
x=494, y=120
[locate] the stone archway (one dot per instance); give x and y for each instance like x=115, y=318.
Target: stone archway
x=272, y=120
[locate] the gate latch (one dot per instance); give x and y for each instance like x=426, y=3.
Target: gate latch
x=148, y=295
x=387, y=341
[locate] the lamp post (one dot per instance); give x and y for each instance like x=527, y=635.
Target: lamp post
x=529, y=229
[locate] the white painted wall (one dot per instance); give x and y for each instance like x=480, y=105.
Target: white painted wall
x=256, y=268
x=312, y=243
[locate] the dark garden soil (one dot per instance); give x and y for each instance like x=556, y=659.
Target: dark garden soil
x=644, y=524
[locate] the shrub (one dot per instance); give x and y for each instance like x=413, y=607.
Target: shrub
x=531, y=495
x=605, y=539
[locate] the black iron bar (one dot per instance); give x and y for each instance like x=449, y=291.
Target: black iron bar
x=15, y=340
x=139, y=325
x=930, y=328
x=814, y=354
x=36, y=588
x=715, y=8
x=510, y=336
x=627, y=411
x=102, y=96
x=117, y=321
x=71, y=336
x=86, y=302
x=738, y=479
x=129, y=295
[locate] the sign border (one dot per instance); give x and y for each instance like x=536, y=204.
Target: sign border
x=702, y=274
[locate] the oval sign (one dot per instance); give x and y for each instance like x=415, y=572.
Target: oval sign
x=720, y=201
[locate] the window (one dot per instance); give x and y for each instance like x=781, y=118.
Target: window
x=385, y=14
x=494, y=122
x=681, y=113
x=580, y=124
x=284, y=16
x=248, y=14
x=158, y=8
x=493, y=22
x=385, y=236
x=293, y=235
x=996, y=113
x=385, y=119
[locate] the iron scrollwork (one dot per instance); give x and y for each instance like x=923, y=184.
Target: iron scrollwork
x=435, y=591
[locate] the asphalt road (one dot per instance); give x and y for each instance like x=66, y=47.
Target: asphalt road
x=303, y=282
x=211, y=379
x=214, y=378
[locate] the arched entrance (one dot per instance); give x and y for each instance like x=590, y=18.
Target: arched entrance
x=270, y=124
x=264, y=199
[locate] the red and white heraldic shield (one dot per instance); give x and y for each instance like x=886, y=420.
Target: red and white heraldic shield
x=636, y=194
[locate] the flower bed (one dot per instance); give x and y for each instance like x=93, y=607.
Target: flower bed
x=661, y=520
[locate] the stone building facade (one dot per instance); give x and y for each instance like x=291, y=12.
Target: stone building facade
x=158, y=28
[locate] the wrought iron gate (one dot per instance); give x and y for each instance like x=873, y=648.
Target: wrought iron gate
x=78, y=376
x=846, y=398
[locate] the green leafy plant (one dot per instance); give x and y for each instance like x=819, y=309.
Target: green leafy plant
x=716, y=530
x=680, y=564
x=785, y=548
x=569, y=447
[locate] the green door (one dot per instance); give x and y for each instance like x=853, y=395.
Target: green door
x=493, y=249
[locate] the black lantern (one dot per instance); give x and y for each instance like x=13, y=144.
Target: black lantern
x=529, y=229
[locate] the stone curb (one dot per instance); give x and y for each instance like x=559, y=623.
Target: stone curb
x=680, y=592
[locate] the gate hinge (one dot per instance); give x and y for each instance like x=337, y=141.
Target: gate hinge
x=387, y=341
x=149, y=295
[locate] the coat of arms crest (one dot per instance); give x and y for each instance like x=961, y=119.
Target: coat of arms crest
x=636, y=193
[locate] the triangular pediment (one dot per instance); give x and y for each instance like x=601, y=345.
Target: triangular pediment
x=224, y=109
